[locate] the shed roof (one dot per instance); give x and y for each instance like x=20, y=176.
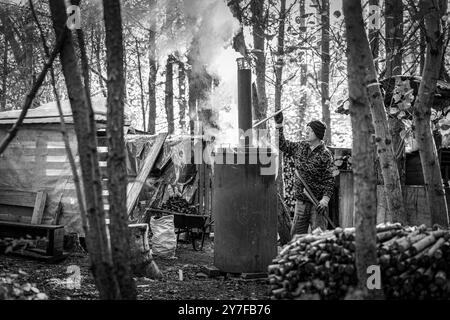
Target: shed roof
x=48, y=113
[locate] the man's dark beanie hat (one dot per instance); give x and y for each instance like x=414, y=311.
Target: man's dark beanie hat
x=318, y=127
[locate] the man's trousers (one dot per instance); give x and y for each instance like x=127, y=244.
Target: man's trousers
x=306, y=214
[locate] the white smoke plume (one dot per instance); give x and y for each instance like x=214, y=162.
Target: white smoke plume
x=209, y=26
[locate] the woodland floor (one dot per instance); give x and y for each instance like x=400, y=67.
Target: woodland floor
x=49, y=278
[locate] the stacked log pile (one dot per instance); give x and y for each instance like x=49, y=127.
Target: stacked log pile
x=414, y=263
x=179, y=205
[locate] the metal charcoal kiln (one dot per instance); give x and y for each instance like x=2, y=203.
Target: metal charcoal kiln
x=244, y=201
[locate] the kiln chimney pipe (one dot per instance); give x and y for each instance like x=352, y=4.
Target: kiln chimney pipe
x=245, y=101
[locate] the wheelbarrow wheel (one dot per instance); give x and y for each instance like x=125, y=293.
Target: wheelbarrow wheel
x=197, y=244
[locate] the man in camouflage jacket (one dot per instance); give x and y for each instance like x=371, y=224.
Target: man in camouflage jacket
x=314, y=162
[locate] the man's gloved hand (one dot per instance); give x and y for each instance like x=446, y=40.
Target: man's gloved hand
x=278, y=118
x=323, y=204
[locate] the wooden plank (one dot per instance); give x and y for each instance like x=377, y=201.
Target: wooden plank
x=36, y=166
x=15, y=218
x=18, y=198
x=254, y=276
x=103, y=172
x=346, y=206
x=417, y=211
x=31, y=227
x=102, y=156
x=134, y=189
x=201, y=188
x=21, y=151
x=39, y=255
x=102, y=141
x=416, y=206
x=211, y=271
x=39, y=206
x=56, y=242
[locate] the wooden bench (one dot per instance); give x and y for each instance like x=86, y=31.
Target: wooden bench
x=22, y=206
x=21, y=215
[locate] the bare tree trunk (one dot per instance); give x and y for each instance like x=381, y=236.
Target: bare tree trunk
x=182, y=103
x=192, y=101
x=102, y=267
x=433, y=11
x=70, y=157
x=423, y=45
x=258, y=23
x=30, y=97
x=284, y=234
x=363, y=169
x=152, y=80
x=383, y=138
x=280, y=59
x=98, y=63
x=239, y=39
x=29, y=60
x=374, y=36
x=5, y=76
x=394, y=42
x=325, y=70
x=8, y=32
x=117, y=170
x=168, y=102
x=141, y=84
x=303, y=68
x=394, y=37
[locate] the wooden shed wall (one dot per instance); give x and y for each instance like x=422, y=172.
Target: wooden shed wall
x=36, y=160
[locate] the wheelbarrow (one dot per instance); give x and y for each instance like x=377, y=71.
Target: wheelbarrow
x=186, y=222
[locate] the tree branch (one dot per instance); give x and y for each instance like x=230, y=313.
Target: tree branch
x=31, y=94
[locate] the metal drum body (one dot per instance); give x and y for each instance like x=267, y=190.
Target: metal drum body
x=245, y=214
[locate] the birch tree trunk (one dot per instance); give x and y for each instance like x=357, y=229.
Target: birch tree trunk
x=363, y=169
x=433, y=11
x=117, y=171
x=98, y=244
